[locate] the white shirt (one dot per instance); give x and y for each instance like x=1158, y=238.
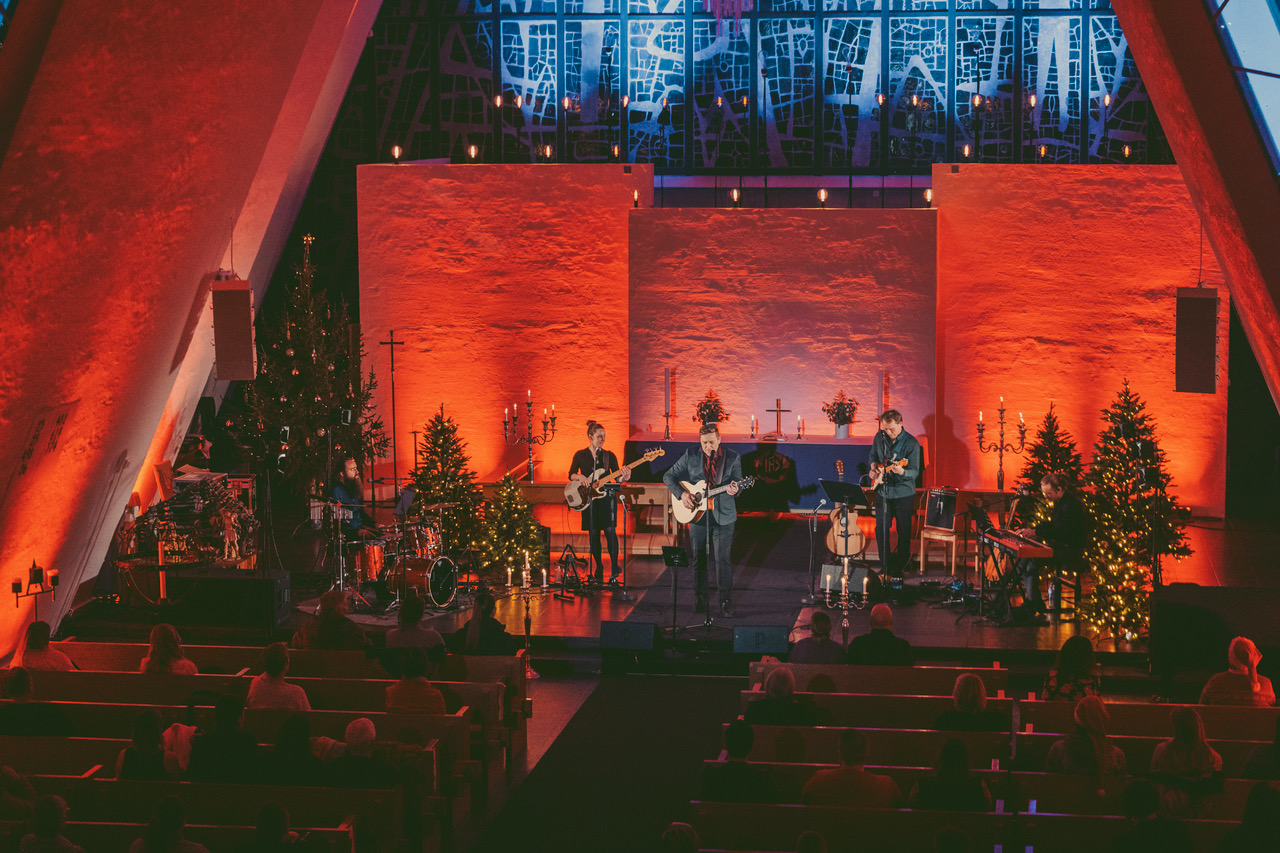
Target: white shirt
x=268, y=692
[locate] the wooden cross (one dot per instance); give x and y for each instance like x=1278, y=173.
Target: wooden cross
x=778, y=410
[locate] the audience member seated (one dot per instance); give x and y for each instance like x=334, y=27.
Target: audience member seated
x=679, y=838
x=851, y=784
x=37, y=655
x=736, y=781
x=411, y=632
x=1260, y=826
x=1148, y=831
x=356, y=767
x=879, y=645
x=228, y=753
x=1074, y=675
x=145, y=757
x=818, y=647
x=270, y=690
x=273, y=834
x=165, y=654
x=413, y=693
x=811, y=841
x=330, y=628
x=1240, y=684
x=951, y=787
x=1185, y=764
x=1087, y=750
x=23, y=716
x=16, y=795
x=292, y=762
x=779, y=707
x=1264, y=763
x=970, y=713
x=164, y=832
x=482, y=634
x=48, y=819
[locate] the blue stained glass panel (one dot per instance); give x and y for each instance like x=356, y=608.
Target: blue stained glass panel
x=984, y=68
x=787, y=53
x=656, y=63
x=722, y=76
x=1052, y=57
x=528, y=64
x=917, y=97
x=851, y=118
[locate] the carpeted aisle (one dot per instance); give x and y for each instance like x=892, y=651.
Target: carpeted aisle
x=624, y=767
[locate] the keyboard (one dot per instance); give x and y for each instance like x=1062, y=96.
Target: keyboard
x=1018, y=547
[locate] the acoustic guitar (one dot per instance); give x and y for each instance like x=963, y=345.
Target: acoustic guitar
x=684, y=515
x=579, y=495
x=842, y=541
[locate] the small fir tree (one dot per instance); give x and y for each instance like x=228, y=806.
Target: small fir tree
x=510, y=533
x=309, y=376
x=1135, y=518
x=441, y=476
x=1052, y=451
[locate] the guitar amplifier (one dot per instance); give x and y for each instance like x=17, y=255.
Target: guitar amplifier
x=940, y=511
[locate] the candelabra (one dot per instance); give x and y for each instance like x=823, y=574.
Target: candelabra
x=526, y=593
x=36, y=586
x=844, y=599
x=1000, y=446
x=511, y=427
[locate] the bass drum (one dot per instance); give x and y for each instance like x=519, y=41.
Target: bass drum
x=438, y=579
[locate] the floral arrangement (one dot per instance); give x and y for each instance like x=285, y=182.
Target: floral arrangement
x=709, y=409
x=842, y=409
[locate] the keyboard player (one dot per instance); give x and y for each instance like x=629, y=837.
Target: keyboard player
x=1064, y=532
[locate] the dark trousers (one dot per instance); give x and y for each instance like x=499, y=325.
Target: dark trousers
x=721, y=544
x=610, y=537
x=895, y=511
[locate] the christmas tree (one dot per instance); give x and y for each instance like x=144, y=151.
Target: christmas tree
x=441, y=476
x=1135, y=518
x=1052, y=451
x=310, y=385
x=510, y=534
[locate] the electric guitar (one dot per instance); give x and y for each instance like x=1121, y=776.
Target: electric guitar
x=579, y=495
x=878, y=471
x=684, y=515
x=841, y=540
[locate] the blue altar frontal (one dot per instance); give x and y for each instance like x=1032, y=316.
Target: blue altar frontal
x=786, y=472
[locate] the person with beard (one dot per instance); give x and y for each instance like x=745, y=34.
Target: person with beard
x=348, y=494
x=897, y=458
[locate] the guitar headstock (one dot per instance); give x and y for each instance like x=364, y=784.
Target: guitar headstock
x=840, y=467
x=746, y=483
x=654, y=454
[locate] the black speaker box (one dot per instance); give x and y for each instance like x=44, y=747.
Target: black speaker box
x=628, y=636
x=940, y=512
x=234, y=354
x=1196, y=350
x=761, y=640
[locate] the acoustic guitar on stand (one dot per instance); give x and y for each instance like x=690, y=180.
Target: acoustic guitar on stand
x=844, y=540
x=578, y=494
x=684, y=515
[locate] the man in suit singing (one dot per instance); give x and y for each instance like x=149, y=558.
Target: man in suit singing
x=716, y=466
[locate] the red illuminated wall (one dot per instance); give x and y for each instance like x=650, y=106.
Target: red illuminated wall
x=501, y=280
x=1055, y=283
x=793, y=304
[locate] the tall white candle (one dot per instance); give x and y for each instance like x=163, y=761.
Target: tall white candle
x=666, y=391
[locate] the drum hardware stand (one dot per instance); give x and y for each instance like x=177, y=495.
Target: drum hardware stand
x=569, y=563
x=675, y=558
x=812, y=598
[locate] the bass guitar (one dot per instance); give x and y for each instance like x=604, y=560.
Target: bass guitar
x=684, y=515
x=578, y=495
x=842, y=540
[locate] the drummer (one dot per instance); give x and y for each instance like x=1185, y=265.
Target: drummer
x=347, y=492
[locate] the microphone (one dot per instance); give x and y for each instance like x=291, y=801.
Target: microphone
x=819, y=506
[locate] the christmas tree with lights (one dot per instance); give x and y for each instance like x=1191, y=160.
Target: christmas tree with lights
x=441, y=476
x=1135, y=518
x=1052, y=451
x=510, y=534
x=311, y=406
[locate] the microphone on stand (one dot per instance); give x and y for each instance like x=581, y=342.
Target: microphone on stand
x=815, y=511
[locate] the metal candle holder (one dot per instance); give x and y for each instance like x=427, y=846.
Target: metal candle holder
x=511, y=426
x=1000, y=446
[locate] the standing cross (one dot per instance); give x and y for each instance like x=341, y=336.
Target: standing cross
x=778, y=410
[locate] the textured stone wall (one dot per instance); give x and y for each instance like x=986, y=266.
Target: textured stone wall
x=1055, y=283
x=502, y=280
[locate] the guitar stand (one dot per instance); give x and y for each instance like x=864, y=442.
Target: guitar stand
x=570, y=581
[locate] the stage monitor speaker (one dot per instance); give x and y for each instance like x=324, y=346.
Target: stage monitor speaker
x=1196, y=349
x=228, y=597
x=235, y=355
x=628, y=636
x=830, y=579
x=940, y=512
x=761, y=640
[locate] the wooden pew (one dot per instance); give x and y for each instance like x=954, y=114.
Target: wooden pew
x=1033, y=750
x=1223, y=722
x=60, y=756
x=93, y=835
x=913, y=680
x=879, y=710
x=897, y=747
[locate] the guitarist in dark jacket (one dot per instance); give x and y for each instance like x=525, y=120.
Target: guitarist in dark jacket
x=716, y=466
x=589, y=464
x=896, y=454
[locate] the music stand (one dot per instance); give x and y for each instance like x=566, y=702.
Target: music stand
x=675, y=558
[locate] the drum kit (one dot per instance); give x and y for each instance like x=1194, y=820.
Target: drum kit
x=409, y=553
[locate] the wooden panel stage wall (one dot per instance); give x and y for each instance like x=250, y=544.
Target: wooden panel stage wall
x=1049, y=283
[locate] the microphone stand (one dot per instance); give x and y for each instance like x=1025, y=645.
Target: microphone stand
x=812, y=597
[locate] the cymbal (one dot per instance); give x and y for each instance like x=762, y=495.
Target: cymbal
x=438, y=507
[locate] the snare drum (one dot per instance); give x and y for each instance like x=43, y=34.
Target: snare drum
x=370, y=560
x=424, y=540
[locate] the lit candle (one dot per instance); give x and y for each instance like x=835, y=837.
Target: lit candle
x=844, y=584
x=1002, y=401
x=531, y=396
x=544, y=577
x=979, y=416
x=1020, y=420
x=526, y=560
x=666, y=391
x=826, y=582
x=864, y=584
x=508, y=576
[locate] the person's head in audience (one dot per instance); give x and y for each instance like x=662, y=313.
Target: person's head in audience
x=17, y=684
x=1188, y=737
x=482, y=608
x=146, y=732
x=680, y=838
x=275, y=660
x=165, y=828
x=333, y=605
x=293, y=741
x=411, y=610
x=970, y=694
x=1262, y=810
x=953, y=760
x=1243, y=657
x=811, y=842
x=882, y=617
x=48, y=816
x=38, y=635
x=228, y=713
x=413, y=662
x=820, y=625
x=1141, y=800
x=360, y=736
x=166, y=647
x=821, y=683
x=1091, y=719
x=273, y=824
x=853, y=748
x=951, y=839
x=780, y=683
x=739, y=739
x=1075, y=658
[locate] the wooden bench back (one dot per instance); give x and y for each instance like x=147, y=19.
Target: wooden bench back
x=879, y=710
x=93, y=835
x=1033, y=751
x=1144, y=718
x=913, y=680
x=900, y=747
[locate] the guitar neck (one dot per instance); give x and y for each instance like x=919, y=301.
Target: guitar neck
x=616, y=474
